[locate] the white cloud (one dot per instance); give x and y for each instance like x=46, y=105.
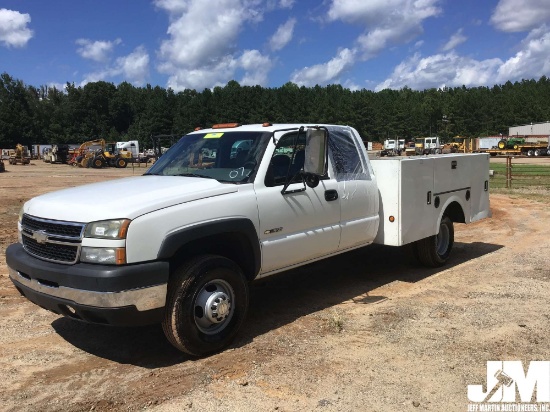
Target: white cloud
x=389, y=22
x=283, y=35
x=286, y=4
x=256, y=68
x=98, y=51
x=13, y=28
x=453, y=70
x=532, y=61
x=327, y=72
x=520, y=15
x=280, y=4
x=133, y=68
x=441, y=70
x=455, y=40
x=201, y=49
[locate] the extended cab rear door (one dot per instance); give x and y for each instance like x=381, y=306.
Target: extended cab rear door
x=357, y=189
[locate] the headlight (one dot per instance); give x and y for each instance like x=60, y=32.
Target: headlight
x=107, y=229
x=103, y=255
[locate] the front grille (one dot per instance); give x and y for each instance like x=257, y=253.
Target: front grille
x=51, y=251
x=66, y=229
x=52, y=240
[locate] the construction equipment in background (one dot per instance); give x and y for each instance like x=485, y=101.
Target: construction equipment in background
x=97, y=154
x=83, y=155
x=2, y=166
x=516, y=148
x=114, y=155
x=461, y=144
x=20, y=155
x=511, y=143
x=59, y=153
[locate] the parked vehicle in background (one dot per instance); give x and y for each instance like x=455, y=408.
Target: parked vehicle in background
x=215, y=220
x=58, y=153
x=131, y=146
x=393, y=147
x=38, y=150
x=515, y=146
x=510, y=143
x=428, y=145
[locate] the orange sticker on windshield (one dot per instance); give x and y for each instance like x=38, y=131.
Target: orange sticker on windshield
x=213, y=135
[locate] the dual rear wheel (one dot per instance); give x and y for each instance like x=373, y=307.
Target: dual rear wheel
x=434, y=251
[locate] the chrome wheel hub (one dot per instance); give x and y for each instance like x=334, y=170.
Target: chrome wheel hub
x=213, y=306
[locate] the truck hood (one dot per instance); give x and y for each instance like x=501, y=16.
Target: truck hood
x=123, y=198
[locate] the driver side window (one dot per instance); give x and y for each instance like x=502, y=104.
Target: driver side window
x=287, y=160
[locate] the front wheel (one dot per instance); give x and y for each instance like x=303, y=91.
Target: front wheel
x=206, y=305
x=434, y=251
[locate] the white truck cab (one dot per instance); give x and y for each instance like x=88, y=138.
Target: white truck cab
x=220, y=213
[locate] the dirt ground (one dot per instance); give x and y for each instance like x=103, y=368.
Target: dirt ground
x=365, y=331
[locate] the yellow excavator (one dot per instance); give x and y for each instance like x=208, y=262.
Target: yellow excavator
x=97, y=154
x=20, y=155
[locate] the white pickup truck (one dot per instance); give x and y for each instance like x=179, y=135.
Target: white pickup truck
x=225, y=206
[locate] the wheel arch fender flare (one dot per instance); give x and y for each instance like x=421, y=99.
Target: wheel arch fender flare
x=454, y=208
x=237, y=228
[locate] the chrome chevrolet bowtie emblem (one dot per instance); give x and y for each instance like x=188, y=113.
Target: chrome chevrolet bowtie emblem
x=40, y=236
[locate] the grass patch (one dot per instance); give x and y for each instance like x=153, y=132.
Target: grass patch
x=335, y=321
x=523, y=175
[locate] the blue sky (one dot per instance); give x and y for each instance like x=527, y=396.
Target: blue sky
x=197, y=44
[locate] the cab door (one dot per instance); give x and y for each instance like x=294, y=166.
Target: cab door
x=357, y=188
x=302, y=224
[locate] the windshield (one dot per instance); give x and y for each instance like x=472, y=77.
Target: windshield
x=230, y=157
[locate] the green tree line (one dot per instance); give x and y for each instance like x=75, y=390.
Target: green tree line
x=40, y=115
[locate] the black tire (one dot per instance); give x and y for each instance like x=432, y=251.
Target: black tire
x=434, y=251
x=121, y=163
x=502, y=144
x=197, y=292
x=97, y=162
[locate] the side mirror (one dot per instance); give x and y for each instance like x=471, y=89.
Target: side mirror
x=315, y=162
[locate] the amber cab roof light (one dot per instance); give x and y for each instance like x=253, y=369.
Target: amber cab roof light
x=225, y=125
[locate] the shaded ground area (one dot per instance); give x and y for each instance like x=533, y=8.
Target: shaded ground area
x=365, y=330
